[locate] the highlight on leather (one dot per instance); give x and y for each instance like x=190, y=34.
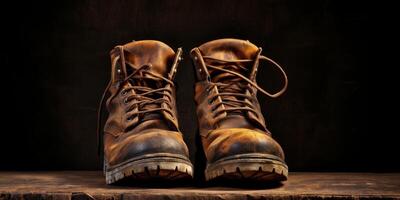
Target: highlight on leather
x=234, y=135
x=141, y=136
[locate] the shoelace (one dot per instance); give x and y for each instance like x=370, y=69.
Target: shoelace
x=235, y=86
x=140, y=99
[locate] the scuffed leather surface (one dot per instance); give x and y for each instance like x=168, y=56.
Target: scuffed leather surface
x=222, y=143
x=154, y=133
x=149, y=141
x=235, y=133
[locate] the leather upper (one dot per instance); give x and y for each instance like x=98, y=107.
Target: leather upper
x=226, y=130
x=142, y=110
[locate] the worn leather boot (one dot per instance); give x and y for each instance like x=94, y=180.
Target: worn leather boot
x=141, y=135
x=235, y=140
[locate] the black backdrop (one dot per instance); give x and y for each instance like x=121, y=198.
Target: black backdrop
x=56, y=61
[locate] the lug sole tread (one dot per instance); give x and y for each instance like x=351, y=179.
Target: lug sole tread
x=150, y=169
x=262, y=170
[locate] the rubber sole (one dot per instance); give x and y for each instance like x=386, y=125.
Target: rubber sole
x=154, y=166
x=252, y=167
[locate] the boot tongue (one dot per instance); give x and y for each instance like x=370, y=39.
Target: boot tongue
x=229, y=49
x=159, y=57
x=149, y=52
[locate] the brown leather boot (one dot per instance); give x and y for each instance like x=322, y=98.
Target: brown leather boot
x=141, y=136
x=235, y=139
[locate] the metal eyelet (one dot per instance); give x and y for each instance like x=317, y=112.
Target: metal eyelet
x=124, y=92
x=129, y=119
x=210, y=101
x=213, y=108
x=125, y=101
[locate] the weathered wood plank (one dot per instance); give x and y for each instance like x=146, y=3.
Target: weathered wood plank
x=91, y=184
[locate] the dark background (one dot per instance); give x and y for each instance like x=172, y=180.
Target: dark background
x=56, y=64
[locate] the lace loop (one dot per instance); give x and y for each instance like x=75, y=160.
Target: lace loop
x=236, y=83
x=277, y=94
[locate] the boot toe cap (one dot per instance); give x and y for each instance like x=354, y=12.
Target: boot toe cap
x=155, y=142
x=236, y=141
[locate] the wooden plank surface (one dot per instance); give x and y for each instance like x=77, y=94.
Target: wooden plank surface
x=91, y=185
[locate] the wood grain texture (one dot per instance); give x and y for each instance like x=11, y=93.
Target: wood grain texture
x=91, y=184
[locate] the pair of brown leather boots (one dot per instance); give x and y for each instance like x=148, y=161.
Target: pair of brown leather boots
x=141, y=135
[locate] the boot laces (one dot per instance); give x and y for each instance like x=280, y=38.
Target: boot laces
x=145, y=98
x=144, y=94
x=232, y=86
